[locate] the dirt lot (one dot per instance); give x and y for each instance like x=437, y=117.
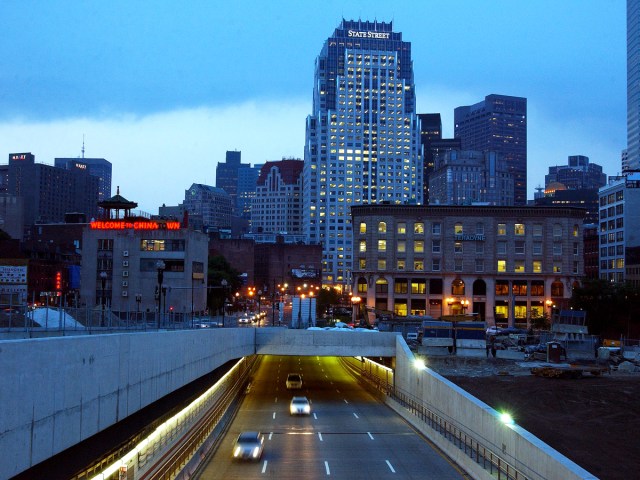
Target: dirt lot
x=594, y=421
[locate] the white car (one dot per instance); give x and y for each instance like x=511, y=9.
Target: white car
x=294, y=381
x=244, y=319
x=299, y=406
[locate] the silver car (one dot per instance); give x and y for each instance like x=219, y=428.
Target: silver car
x=299, y=406
x=248, y=446
x=294, y=381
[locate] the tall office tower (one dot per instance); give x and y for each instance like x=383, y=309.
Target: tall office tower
x=433, y=145
x=227, y=174
x=498, y=124
x=98, y=167
x=362, y=138
x=51, y=192
x=633, y=85
x=277, y=206
x=213, y=204
x=246, y=189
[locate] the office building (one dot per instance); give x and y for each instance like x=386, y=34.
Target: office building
x=498, y=124
x=503, y=264
x=466, y=177
x=98, y=167
x=362, y=137
x=212, y=204
x=50, y=192
x=577, y=174
x=433, y=145
x=277, y=206
x=619, y=226
x=631, y=159
x=239, y=181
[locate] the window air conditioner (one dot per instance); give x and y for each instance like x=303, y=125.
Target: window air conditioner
x=125, y=263
x=125, y=293
x=125, y=273
x=125, y=284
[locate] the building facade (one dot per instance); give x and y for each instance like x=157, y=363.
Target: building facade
x=51, y=192
x=98, y=167
x=631, y=159
x=127, y=252
x=212, y=204
x=277, y=206
x=498, y=124
x=362, y=138
x=467, y=176
x=619, y=225
x=578, y=174
x=504, y=264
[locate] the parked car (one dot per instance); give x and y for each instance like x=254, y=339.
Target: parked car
x=299, y=406
x=248, y=446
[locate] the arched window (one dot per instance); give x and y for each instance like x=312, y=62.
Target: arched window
x=362, y=285
x=382, y=286
x=479, y=288
x=382, y=227
x=457, y=287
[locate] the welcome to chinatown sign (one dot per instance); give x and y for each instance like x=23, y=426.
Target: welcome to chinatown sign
x=137, y=225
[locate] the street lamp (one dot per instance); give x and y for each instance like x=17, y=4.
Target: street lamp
x=224, y=284
x=465, y=305
x=138, y=300
x=160, y=266
x=103, y=282
x=300, y=299
x=259, y=311
x=310, y=306
x=355, y=301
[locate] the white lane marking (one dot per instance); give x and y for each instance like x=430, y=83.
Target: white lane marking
x=264, y=466
x=276, y=400
x=355, y=415
x=346, y=401
x=314, y=416
x=274, y=415
x=320, y=436
x=390, y=466
x=270, y=435
x=370, y=436
x=326, y=467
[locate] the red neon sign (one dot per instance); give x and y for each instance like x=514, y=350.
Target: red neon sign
x=137, y=225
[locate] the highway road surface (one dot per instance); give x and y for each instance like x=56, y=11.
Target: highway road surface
x=348, y=435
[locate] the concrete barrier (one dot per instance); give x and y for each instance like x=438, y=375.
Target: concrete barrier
x=521, y=449
x=57, y=392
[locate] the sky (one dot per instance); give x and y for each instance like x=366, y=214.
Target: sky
x=162, y=89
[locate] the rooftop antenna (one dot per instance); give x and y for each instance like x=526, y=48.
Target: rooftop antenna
x=83, y=146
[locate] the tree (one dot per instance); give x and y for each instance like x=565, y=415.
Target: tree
x=219, y=269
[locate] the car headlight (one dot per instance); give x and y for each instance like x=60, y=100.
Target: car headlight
x=237, y=452
x=256, y=452
x=307, y=409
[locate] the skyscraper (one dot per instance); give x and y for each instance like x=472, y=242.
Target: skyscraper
x=362, y=137
x=498, y=124
x=633, y=86
x=98, y=167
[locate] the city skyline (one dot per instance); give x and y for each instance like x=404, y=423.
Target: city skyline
x=166, y=90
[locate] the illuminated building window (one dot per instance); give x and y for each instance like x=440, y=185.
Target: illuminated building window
x=502, y=229
x=537, y=266
x=363, y=227
x=518, y=229
x=502, y=265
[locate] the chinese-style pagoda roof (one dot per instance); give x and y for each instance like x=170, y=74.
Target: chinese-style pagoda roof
x=117, y=203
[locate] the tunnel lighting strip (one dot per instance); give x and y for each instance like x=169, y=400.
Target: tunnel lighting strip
x=123, y=461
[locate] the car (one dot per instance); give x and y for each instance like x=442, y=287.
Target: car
x=299, y=406
x=248, y=446
x=294, y=381
x=244, y=319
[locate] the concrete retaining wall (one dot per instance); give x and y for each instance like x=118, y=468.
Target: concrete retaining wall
x=524, y=451
x=56, y=392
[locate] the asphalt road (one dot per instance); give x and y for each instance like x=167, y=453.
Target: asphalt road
x=349, y=434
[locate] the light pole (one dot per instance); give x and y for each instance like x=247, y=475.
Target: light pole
x=103, y=282
x=355, y=301
x=300, y=299
x=138, y=300
x=160, y=266
x=224, y=284
x=310, y=306
x=450, y=303
x=259, y=311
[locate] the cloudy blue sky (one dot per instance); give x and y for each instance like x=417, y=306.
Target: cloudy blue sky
x=162, y=89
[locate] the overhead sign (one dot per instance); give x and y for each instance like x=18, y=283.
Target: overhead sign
x=137, y=225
